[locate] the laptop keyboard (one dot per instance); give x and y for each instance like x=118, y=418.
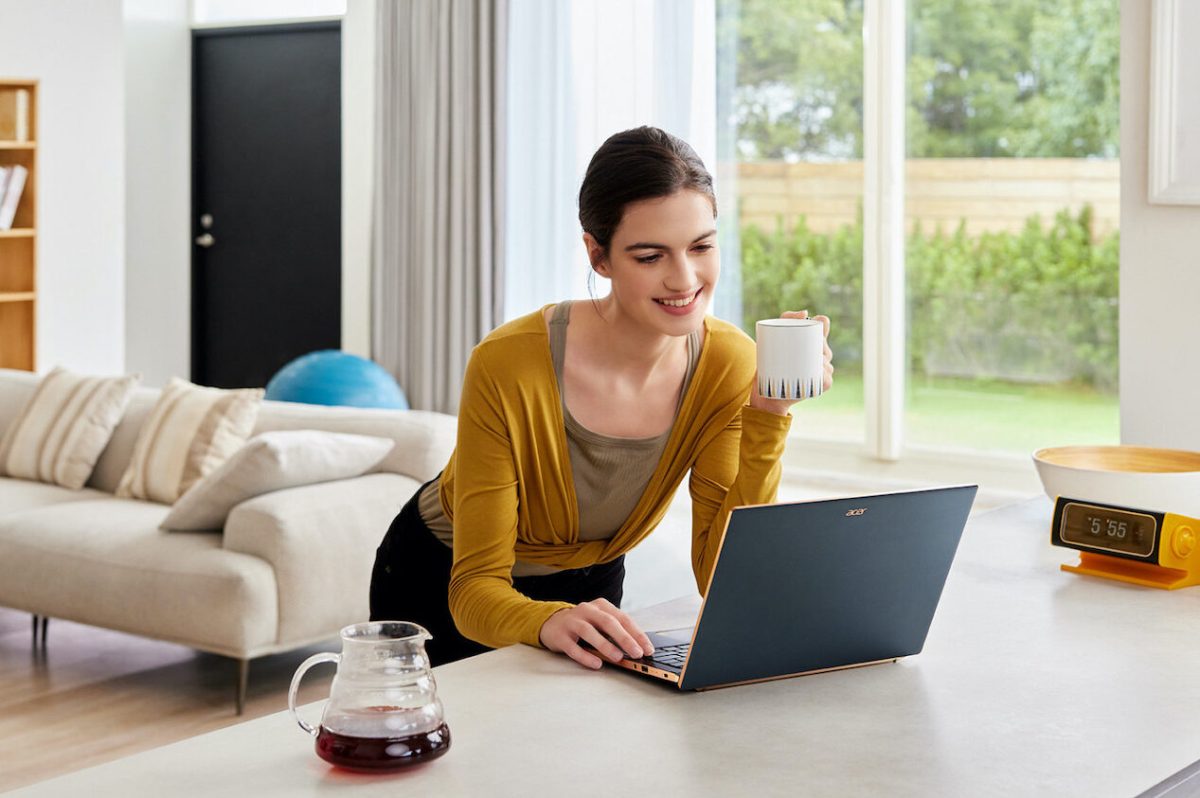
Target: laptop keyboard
x=671, y=655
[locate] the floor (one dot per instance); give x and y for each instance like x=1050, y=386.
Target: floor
x=94, y=695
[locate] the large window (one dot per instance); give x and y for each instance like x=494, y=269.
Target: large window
x=989, y=303
x=1012, y=207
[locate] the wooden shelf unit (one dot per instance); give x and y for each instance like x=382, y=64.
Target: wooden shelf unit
x=18, y=246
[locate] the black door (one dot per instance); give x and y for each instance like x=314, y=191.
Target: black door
x=266, y=202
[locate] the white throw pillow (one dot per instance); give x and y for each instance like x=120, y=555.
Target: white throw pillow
x=274, y=461
x=190, y=432
x=59, y=434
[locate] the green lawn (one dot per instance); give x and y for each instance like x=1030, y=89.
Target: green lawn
x=972, y=414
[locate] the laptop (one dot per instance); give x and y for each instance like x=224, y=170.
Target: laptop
x=816, y=586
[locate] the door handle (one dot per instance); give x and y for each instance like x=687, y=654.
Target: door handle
x=205, y=240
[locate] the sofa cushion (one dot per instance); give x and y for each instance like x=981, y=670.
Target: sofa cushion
x=64, y=427
x=21, y=494
x=274, y=461
x=424, y=439
x=321, y=541
x=15, y=389
x=191, y=431
x=116, y=456
x=106, y=563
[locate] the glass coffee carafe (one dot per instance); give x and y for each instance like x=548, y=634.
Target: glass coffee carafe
x=383, y=711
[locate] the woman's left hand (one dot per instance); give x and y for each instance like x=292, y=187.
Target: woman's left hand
x=781, y=406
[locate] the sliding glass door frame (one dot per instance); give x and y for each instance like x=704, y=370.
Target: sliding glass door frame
x=884, y=307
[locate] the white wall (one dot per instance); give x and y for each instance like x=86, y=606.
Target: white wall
x=224, y=12
x=358, y=165
x=1160, y=273
x=158, y=80
x=75, y=50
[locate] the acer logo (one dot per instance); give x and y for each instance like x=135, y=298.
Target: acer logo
x=859, y=511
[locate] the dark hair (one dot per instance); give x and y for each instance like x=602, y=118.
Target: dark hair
x=642, y=163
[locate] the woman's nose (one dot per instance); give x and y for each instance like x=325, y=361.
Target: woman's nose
x=682, y=276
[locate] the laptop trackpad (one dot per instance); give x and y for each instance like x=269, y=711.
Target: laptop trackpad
x=671, y=637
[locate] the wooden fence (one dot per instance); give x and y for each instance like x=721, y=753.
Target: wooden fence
x=990, y=194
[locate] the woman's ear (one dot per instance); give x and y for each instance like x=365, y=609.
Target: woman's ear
x=596, y=255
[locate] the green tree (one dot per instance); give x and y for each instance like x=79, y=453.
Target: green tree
x=1022, y=78
x=968, y=73
x=1076, y=57
x=799, y=79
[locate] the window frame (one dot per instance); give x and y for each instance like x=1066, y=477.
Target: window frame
x=885, y=66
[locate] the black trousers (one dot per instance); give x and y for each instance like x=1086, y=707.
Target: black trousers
x=411, y=582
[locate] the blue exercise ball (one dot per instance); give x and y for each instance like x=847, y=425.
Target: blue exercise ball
x=331, y=377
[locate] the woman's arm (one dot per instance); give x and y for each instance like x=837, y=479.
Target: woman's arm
x=740, y=466
x=483, y=602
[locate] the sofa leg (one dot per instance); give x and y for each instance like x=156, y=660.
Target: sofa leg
x=40, y=625
x=243, y=678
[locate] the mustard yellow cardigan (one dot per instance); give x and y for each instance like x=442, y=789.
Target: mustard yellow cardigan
x=509, y=492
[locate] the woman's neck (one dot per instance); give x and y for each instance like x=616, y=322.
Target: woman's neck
x=618, y=345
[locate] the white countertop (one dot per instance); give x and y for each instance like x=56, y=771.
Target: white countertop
x=1032, y=682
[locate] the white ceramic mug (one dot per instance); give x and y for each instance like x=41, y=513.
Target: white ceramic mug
x=791, y=358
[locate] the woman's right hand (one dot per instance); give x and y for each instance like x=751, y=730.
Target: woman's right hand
x=601, y=625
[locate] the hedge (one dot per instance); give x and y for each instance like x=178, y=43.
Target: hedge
x=1035, y=306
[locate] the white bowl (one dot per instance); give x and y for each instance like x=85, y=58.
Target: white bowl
x=1138, y=477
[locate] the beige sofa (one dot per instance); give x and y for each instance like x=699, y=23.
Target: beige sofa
x=290, y=568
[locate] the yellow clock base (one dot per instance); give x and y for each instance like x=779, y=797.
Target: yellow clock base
x=1133, y=572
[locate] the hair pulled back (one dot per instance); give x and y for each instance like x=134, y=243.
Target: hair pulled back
x=642, y=163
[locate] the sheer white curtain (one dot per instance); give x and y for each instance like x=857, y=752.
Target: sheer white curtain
x=577, y=73
x=437, y=256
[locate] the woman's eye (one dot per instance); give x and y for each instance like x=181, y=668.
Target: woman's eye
x=699, y=249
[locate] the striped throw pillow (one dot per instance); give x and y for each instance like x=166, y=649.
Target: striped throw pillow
x=190, y=432
x=59, y=434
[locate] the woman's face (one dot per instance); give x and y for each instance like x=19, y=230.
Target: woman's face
x=663, y=261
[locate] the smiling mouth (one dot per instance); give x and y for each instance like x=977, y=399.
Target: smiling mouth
x=680, y=303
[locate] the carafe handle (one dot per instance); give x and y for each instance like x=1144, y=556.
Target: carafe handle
x=315, y=659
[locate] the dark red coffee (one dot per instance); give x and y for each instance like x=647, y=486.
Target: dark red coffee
x=375, y=754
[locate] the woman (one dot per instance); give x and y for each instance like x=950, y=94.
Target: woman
x=577, y=424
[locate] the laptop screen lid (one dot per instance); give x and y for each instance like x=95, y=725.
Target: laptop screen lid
x=825, y=584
